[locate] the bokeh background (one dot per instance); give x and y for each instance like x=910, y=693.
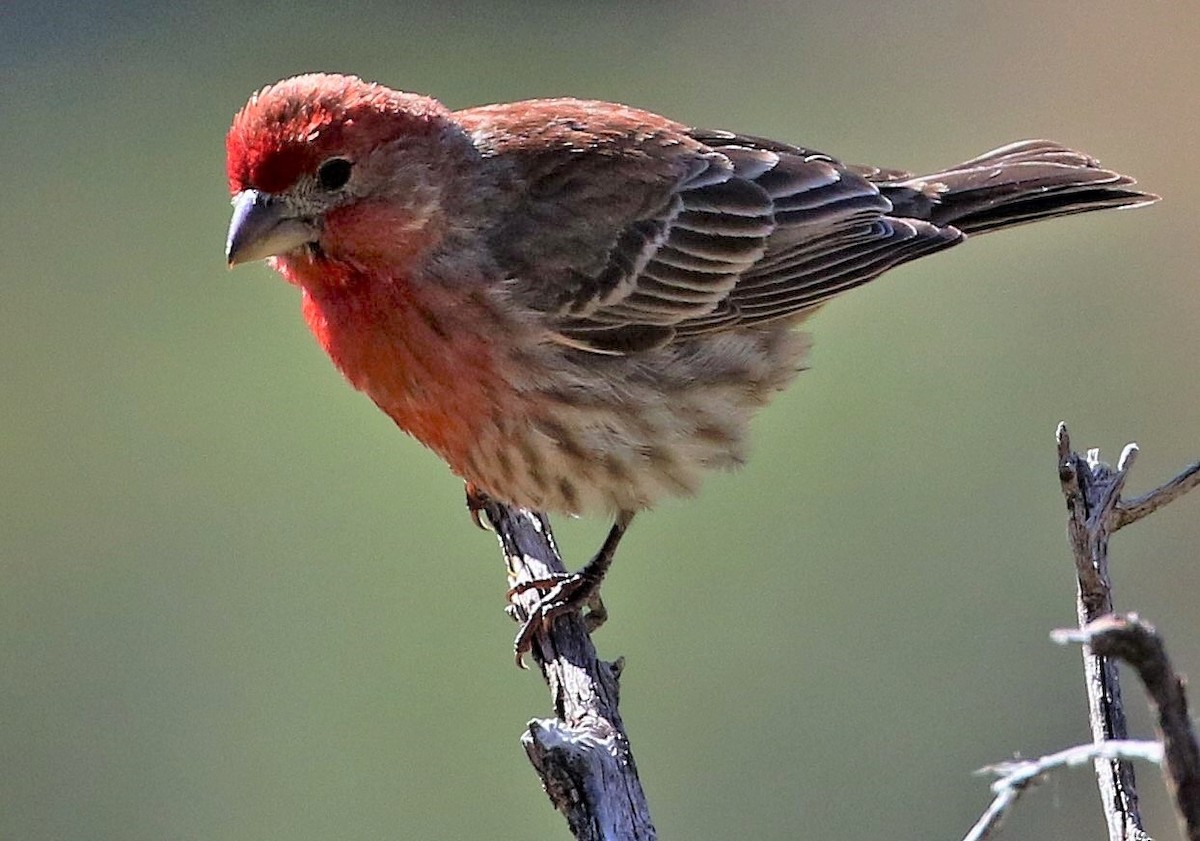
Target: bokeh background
x=235, y=603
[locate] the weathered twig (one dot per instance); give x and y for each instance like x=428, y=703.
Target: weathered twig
x=1138, y=644
x=1132, y=510
x=582, y=755
x=1092, y=490
x=1017, y=776
x=1095, y=510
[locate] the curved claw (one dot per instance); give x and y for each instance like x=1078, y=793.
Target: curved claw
x=477, y=501
x=523, y=643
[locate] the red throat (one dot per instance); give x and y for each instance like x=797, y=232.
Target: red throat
x=410, y=347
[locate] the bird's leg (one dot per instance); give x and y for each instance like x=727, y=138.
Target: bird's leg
x=567, y=593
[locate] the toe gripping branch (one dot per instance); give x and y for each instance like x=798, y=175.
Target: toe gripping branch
x=542, y=590
x=564, y=593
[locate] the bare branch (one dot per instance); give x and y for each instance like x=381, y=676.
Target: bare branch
x=1139, y=645
x=582, y=755
x=1130, y=511
x=1095, y=510
x=1092, y=491
x=1020, y=775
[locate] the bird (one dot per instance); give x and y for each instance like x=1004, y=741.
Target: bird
x=579, y=305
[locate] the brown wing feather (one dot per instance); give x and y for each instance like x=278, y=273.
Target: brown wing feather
x=781, y=231
x=630, y=231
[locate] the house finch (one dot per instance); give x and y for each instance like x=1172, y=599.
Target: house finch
x=580, y=305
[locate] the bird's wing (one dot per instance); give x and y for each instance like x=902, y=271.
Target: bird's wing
x=672, y=232
x=833, y=231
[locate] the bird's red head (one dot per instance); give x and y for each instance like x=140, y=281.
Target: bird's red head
x=287, y=130
x=321, y=164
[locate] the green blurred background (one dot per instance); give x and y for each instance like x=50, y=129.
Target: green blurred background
x=235, y=603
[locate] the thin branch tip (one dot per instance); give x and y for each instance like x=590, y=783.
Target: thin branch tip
x=1106, y=626
x=1128, y=456
x=1017, y=776
x=1063, y=437
x=1132, y=510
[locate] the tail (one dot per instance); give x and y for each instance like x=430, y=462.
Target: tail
x=1019, y=183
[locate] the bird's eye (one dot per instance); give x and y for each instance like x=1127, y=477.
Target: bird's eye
x=334, y=173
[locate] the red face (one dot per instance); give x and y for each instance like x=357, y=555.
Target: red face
x=311, y=157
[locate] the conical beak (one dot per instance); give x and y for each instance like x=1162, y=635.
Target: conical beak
x=263, y=226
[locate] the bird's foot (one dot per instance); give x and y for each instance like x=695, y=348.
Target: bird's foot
x=566, y=593
x=561, y=595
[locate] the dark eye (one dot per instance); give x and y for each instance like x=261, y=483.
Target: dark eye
x=334, y=173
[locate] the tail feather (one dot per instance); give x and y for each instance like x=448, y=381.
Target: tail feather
x=1019, y=183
